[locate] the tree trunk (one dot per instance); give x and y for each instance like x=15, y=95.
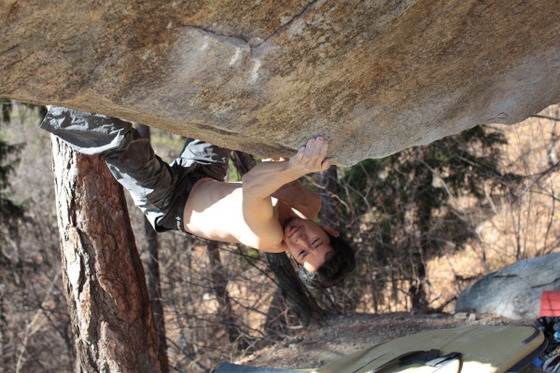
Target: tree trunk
x=298, y=297
x=103, y=276
x=328, y=187
x=152, y=268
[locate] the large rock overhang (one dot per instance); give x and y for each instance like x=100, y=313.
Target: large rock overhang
x=374, y=77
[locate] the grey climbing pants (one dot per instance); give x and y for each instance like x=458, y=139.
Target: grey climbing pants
x=159, y=189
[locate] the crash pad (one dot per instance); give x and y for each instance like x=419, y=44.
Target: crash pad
x=468, y=349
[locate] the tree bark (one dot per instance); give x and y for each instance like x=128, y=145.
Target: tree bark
x=152, y=268
x=298, y=297
x=328, y=187
x=102, y=273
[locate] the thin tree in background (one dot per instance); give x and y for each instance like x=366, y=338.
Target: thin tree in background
x=219, y=281
x=328, y=190
x=102, y=273
x=11, y=213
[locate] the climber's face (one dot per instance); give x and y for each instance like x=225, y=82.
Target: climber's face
x=308, y=243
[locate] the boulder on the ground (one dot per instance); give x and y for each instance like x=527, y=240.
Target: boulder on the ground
x=513, y=291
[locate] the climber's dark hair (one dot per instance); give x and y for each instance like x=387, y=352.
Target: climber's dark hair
x=334, y=270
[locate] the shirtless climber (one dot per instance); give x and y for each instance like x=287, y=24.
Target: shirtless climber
x=269, y=210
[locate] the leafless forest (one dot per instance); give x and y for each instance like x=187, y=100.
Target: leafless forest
x=510, y=216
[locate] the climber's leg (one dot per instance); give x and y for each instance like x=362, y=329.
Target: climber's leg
x=210, y=159
x=157, y=188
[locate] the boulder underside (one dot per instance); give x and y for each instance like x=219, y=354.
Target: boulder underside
x=373, y=77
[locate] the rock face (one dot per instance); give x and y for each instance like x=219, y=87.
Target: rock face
x=515, y=290
x=374, y=76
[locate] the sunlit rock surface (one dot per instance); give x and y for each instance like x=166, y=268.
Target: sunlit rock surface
x=374, y=77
